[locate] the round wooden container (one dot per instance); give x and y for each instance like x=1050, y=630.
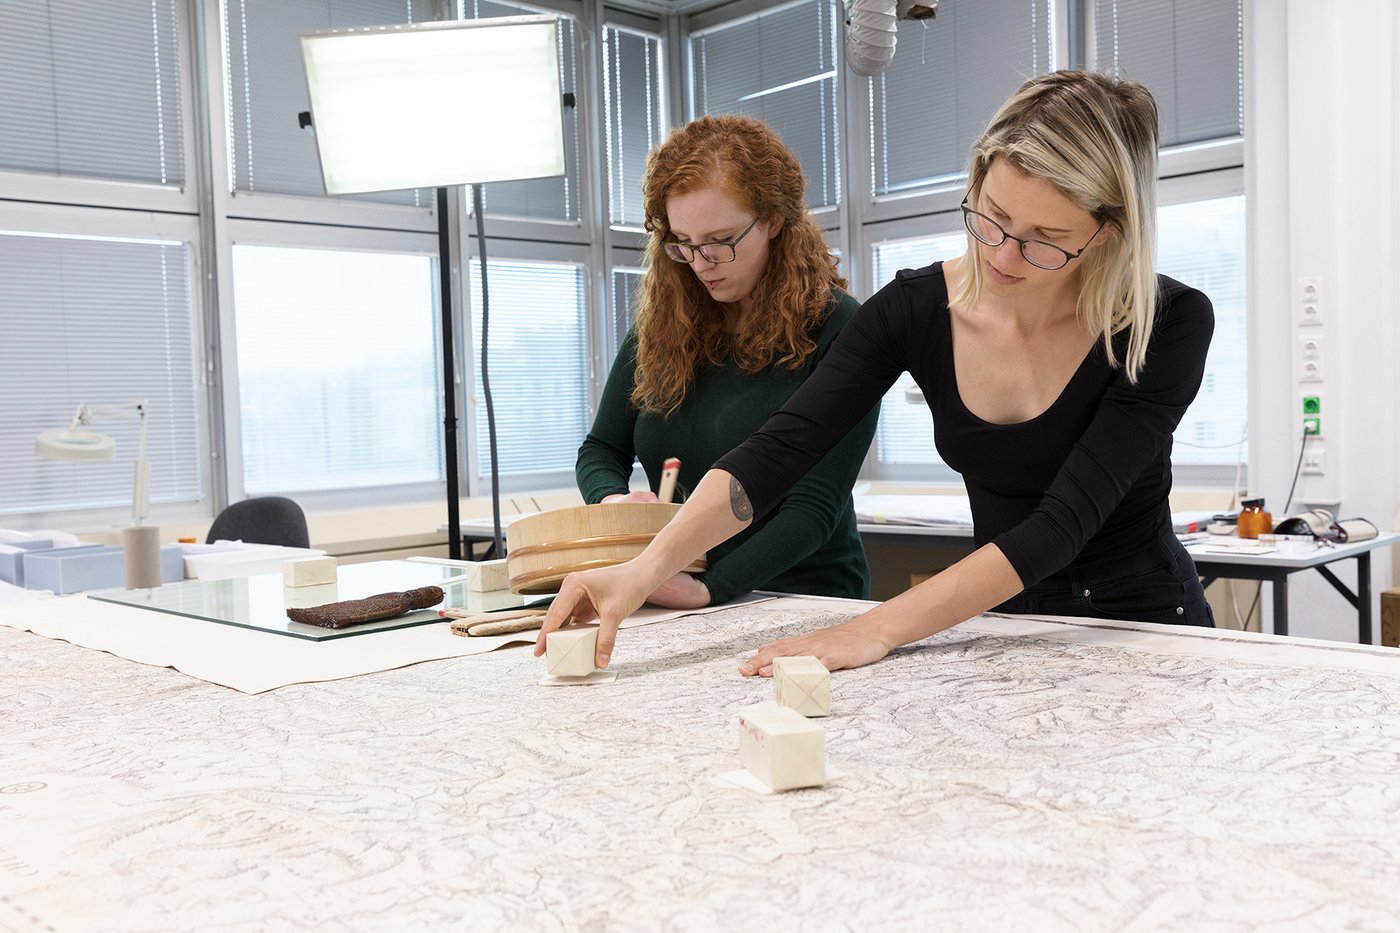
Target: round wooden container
x=541, y=550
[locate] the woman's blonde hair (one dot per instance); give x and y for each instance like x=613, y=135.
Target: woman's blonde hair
x=1095, y=139
x=679, y=327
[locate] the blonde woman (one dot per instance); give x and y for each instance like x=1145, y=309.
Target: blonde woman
x=1056, y=364
x=739, y=303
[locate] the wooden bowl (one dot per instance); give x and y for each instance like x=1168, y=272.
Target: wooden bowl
x=541, y=550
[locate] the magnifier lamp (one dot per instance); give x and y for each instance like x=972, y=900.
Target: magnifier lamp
x=140, y=543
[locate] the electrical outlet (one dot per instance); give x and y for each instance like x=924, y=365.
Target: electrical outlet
x=1310, y=346
x=1312, y=371
x=1312, y=404
x=1312, y=426
x=1310, y=302
x=1315, y=462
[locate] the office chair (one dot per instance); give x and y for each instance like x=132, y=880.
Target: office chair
x=264, y=520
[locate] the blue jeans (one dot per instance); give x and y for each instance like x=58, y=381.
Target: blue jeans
x=1158, y=583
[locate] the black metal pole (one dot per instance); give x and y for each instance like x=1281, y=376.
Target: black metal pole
x=449, y=387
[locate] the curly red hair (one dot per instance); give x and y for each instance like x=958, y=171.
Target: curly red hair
x=679, y=328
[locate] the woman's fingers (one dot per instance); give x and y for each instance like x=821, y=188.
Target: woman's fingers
x=838, y=647
x=571, y=605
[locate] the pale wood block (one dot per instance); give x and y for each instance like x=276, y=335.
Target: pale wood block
x=486, y=576
x=569, y=652
x=308, y=571
x=802, y=684
x=781, y=748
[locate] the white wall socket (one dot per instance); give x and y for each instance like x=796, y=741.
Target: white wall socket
x=1312, y=371
x=1310, y=302
x=1315, y=462
x=1311, y=346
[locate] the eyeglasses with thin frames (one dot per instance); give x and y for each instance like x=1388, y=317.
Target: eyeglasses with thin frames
x=1038, y=253
x=716, y=252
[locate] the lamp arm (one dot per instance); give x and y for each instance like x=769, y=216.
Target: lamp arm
x=141, y=485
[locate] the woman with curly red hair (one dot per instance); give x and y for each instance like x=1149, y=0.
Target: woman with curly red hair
x=740, y=301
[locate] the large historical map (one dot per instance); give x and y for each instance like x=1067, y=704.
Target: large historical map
x=999, y=776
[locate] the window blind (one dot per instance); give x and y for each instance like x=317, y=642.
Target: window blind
x=779, y=66
x=538, y=198
x=624, y=292
x=633, y=120
x=339, y=371
x=92, y=88
x=1202, y=244
x=538, y=364
x=98, y=322
x=1189, y=54
x=948, y=77
x=905, y=434
x=265, y=89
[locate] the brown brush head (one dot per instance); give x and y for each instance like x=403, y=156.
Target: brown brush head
x=369, y=609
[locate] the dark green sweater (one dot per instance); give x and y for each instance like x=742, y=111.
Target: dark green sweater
x=808, y=543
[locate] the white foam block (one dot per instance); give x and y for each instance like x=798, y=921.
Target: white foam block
x=569, y=652
x=486, y=576
x=802, y=684
x=781, y=748
x=308, y=571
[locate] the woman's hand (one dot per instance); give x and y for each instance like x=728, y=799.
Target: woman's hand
x=645, y=495
x=681, y=591
x=608, y=595
x=849, y=644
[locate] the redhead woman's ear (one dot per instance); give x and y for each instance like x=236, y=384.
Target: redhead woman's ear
x=776, y=226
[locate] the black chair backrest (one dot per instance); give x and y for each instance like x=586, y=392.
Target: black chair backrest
x=264, y=520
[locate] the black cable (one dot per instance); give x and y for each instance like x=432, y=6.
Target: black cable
x=1297, y=470
x=496, y=542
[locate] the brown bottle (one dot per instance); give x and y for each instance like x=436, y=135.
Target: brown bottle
x=1254, y=520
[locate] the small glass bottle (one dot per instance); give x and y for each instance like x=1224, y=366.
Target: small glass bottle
x=1254, y=519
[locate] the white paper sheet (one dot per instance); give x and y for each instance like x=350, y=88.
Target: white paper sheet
x=251, y=661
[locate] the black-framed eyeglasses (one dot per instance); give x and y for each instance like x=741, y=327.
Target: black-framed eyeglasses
x=718, y=251
x=1038, y=253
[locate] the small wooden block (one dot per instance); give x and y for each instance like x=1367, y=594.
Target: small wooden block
x=802, y=684
x=781, y=748
x=308, y=571
x=570, y=651
x=486, y=576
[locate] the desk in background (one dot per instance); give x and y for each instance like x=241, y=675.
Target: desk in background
x=1007, y=774
x=1275, y=569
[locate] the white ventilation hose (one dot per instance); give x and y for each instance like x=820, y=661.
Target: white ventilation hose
x=870, y=36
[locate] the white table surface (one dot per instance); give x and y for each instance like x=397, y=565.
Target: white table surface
x=1010, y=774
x=1205, y=552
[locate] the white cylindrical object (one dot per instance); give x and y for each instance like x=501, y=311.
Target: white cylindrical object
x=141, y=549
x=870, y=36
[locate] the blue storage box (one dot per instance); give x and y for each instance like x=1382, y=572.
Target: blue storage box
x=11, y=554
x=73, y=570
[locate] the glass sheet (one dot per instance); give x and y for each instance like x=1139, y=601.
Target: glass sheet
x=261, y=602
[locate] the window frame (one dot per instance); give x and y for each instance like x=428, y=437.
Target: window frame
x=244, y=232
x=103, y=222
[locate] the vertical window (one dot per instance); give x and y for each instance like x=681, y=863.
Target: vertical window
x=538, y=364
x=92, y=88
x=905, y=434
x=781, y=67
x=265, y=89
x=624, y=307
x=538, y=198
x=633, y=118
x=97, y=322
x=1202, y=245
x=339, y=376
x=1187, y=52
x=948, y=77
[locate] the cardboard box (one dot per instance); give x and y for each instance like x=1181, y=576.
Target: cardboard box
x=1390, y=618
